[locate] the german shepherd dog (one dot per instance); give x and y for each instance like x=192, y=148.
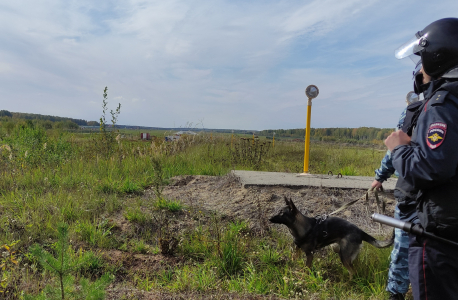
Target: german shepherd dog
x=311, y=234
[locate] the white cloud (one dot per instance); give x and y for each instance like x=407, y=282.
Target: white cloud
x=234, y=64
x=321, y=16
x=5, y=68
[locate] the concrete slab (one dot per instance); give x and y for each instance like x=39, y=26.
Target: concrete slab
x=253, y=178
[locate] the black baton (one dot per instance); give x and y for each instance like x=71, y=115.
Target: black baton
x=414, y=229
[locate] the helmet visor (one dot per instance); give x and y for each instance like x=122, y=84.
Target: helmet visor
x=412, y=97
x=410, y=49
x=417, y=69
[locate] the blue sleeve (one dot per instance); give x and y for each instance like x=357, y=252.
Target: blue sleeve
x=401, y=119
x=431, y=159
x=386, y=166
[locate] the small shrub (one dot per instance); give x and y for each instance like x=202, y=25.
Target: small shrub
x=231, y=260
x=107, y=139
x=130, y=187
x=269, y=255
x=237, y=227
x=62, y=265
x=231, y=253
x=96, y=235
x=166, y=277
x=139, y=246
x=196, y=244
x=159, y=180
x=106, y=187
x=170, y=205
x=70, y=213
x=136, y=215
x=91, y=264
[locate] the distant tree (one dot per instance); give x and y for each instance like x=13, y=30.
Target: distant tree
x=93, y=123
x=46, y=124
x=79, y=122
x=65, y=125
x=71, y=125
x=5, y=113
x=27, y=116
x=9, y=126
x=58, y=125
x=29, y=124
x=363, y=134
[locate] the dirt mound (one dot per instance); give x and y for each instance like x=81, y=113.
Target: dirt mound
x=226, y=195
x=140, y=262
x=129, y=293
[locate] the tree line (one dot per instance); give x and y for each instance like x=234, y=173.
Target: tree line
x=28, y=116
x=329, y=134
x=10, y=120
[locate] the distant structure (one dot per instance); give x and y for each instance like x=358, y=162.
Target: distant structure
x=178, y=134
x=185, y=132
x=145, y=136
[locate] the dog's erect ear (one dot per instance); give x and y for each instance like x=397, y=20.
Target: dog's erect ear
x=286, y=200
x=290, y=204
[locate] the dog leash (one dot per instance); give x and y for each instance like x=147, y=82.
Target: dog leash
x=322, y=218
x=345, y=206
x=379, y=202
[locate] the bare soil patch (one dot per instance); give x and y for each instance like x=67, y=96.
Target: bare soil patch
x=226, y=196
x=129, y=293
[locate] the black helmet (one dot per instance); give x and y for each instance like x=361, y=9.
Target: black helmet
x=437, y=45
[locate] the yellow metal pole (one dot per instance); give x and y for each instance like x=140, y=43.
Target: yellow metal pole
x=273, y=141
x=307, y=137
x=232, y=137
x=253, y=138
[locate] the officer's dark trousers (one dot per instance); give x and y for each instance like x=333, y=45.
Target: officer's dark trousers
x=433, y=269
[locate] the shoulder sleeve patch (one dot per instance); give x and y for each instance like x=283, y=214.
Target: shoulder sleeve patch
x=436, y=134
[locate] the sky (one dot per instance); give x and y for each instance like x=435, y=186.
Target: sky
x=214, y=64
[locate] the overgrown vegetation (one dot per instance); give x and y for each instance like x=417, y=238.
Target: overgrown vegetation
x=64, y=196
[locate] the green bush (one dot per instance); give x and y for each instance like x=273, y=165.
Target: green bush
x=95, y=235
x=171, y=205
x=130, y=187
x=136, y=215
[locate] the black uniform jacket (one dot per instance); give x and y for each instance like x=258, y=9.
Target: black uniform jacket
x=405, y=193
x=430, y=163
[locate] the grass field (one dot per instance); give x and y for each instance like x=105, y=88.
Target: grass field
x=61, y=192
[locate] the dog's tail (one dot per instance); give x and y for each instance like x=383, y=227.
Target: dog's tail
x=376, y=243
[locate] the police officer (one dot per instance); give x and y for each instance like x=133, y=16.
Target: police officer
x=428, y=160
x=398, y=273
